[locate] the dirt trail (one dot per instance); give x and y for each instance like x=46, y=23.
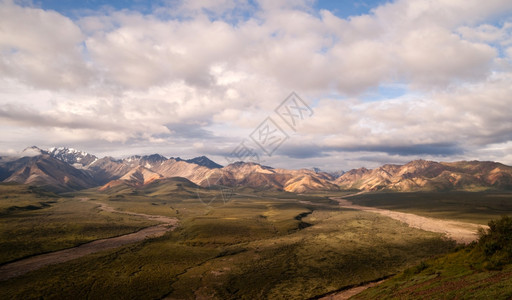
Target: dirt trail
x=461, y=232
x=346, y=294
x=23, y=266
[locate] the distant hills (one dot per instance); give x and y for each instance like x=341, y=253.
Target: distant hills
x=422, y=175
x=67, y=169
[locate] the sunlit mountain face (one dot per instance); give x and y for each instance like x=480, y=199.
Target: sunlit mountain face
x=63, y=169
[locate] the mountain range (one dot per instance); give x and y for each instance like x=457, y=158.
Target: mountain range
x=66, y=169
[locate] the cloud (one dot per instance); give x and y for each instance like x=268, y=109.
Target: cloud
x=287, y=43
x=232, y=10
x=434, y=56
x=487, y=33
x=412, y=149
x=41, y=48
x=191, y=71
x=189, y=131
x=302, y=151
x=143, y=51
x=436, y=149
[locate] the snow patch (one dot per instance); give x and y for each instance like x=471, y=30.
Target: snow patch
x=77, y=166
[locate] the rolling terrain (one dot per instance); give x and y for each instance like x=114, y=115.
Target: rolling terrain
x=22, y=266
x=35, y=221
x=294, y=246
x=259, y=245
x=481, y=270
x=244, y=230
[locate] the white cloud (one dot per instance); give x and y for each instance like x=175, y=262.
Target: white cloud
x=124, y=77
x=484, y=33
x=41, y=48
x=469, y=117
x=435, y=56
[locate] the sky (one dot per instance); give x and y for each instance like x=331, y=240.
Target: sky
x=300, y=84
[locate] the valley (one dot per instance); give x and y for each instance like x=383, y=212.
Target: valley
x=26, y=265
x=254, y=246
x=150, y=227
x=249, y=236
x=461, y=232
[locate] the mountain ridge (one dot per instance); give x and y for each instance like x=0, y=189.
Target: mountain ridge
x=422, y=175
x=67, y=169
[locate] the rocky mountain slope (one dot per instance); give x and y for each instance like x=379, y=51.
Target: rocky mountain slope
x=63, y=169
x=421, y=175
x=44, y=170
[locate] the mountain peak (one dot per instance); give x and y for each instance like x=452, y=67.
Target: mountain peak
x=420, y=162
x=33, y=151
x=243, y=163
x=204, y=161
x=334, y=174
x=148, y=161
x=132, y=158
x=249, y=166
x=154, y=158
x=74, y=157
x=59, y=166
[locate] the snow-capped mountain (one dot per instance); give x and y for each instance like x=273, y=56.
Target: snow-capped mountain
x=76, y=158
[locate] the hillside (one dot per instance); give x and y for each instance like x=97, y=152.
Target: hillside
x=48, y=172
x=421, y=175
x=481, y=270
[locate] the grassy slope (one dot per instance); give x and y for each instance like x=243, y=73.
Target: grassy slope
x=482, y=270
x=449, y=277
x=250, y=248
x=33, y=221
x=461, y=206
